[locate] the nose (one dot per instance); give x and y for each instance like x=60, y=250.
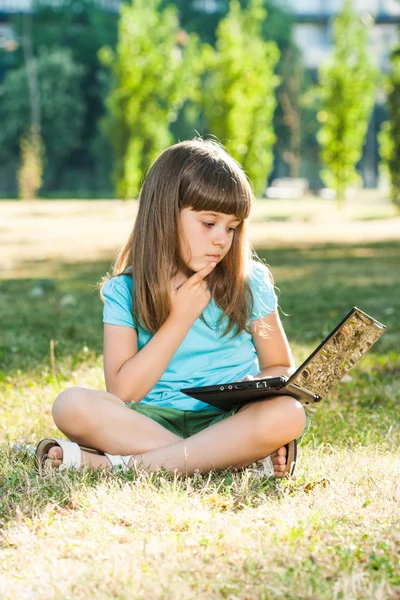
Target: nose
x=220, y=238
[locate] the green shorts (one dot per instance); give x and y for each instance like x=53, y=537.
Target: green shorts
x=186, y=423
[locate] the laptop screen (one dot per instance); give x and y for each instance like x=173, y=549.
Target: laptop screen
x=338, y=353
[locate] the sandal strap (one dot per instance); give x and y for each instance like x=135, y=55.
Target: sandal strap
x=264, y=467
x=291, y=456
x=119, y=461
x=72, y=457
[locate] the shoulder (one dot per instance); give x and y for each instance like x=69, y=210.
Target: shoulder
x=259, y=274
x=120, y=285
x=262, y=288
x=116, y=294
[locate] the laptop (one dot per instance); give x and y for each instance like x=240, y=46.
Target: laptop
x=314, y=379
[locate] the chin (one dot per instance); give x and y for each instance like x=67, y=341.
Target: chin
x=196, y=266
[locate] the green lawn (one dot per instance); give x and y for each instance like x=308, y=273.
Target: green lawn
x=333, y=532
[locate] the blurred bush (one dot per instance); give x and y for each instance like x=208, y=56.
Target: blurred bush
x=31, y=168
x=347, y=88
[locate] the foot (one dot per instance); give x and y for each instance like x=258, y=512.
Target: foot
x=89, y=459
x=55, y=456
x=279, y=461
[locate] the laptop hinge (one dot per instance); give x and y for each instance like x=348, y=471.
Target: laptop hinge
x=302, y=394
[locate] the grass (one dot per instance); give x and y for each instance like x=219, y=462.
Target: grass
x=333, y=532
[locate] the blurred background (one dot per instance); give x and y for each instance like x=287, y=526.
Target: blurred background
x=304, y=93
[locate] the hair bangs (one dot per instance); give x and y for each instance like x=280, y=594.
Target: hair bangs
x=219, y=189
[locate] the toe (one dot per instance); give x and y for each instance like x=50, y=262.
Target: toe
x=52, y=463
x=280, y=468
x=279, y=452
x=55, y=453
x=54, y=457
x=279, y=460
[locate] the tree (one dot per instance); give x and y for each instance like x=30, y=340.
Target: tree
x=31, y=163
x=82, y=27
x=277, y=27
x=62, y=109
x=289, y=93
x=389, y=137
x=238, y=97
x=205, y=23
x=154, y=70
x=347, y=88
x=31, y=168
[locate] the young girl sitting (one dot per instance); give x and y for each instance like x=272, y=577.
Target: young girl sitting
x=186, y=307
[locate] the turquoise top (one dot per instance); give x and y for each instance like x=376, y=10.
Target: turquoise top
x=205, y=357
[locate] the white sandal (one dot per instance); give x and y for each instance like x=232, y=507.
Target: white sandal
x=72, y=457
x=265, y=468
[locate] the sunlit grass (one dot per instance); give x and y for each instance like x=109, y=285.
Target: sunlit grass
x=333, y=532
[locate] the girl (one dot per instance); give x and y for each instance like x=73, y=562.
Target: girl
x=186, y=306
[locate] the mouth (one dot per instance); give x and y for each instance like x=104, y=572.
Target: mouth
x=214, y=256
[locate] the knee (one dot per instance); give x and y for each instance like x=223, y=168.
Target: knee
x=286, y=415
x=296, y=417
x=70, y=409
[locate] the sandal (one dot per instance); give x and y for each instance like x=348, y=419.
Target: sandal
x=265, y=468
x=72, y=458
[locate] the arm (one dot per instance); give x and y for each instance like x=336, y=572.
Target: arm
x=272, y=347
x=131, y=374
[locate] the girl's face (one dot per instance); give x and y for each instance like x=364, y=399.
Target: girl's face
x=205, y=236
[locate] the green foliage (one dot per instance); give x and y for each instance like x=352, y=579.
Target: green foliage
x=277, y=27
x=239, y=99
x=81, y=27
x=62, y=108
x=289, y=112
x=389, y=136
x=303, y=538
x=154, y=71
x=347, y=87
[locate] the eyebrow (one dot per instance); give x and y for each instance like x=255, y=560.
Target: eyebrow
x=214, y=214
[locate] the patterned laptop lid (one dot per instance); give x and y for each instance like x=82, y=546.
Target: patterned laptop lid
x=338, y=353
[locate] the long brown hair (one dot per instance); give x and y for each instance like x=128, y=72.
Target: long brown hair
x=199, y=174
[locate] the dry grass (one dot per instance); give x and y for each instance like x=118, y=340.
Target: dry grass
x=332, y=533
x=70, y=230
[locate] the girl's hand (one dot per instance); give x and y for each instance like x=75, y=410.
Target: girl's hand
x=191, y=298
x=249, y=378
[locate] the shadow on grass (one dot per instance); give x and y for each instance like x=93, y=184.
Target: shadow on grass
x=317, y=286
x=31, y=492
x=68, y=311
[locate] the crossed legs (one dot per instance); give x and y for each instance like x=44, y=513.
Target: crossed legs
x=100, y=420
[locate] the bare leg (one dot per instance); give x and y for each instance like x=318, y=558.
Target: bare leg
x=102, y=421
x=257, y=430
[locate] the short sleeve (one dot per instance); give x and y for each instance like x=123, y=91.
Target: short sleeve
x=264, y=297
x=117, y=294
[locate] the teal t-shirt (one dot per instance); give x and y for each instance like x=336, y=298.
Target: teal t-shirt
x=206, y=356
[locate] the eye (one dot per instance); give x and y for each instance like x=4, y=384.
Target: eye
x=232, y=229
x=208, y=225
